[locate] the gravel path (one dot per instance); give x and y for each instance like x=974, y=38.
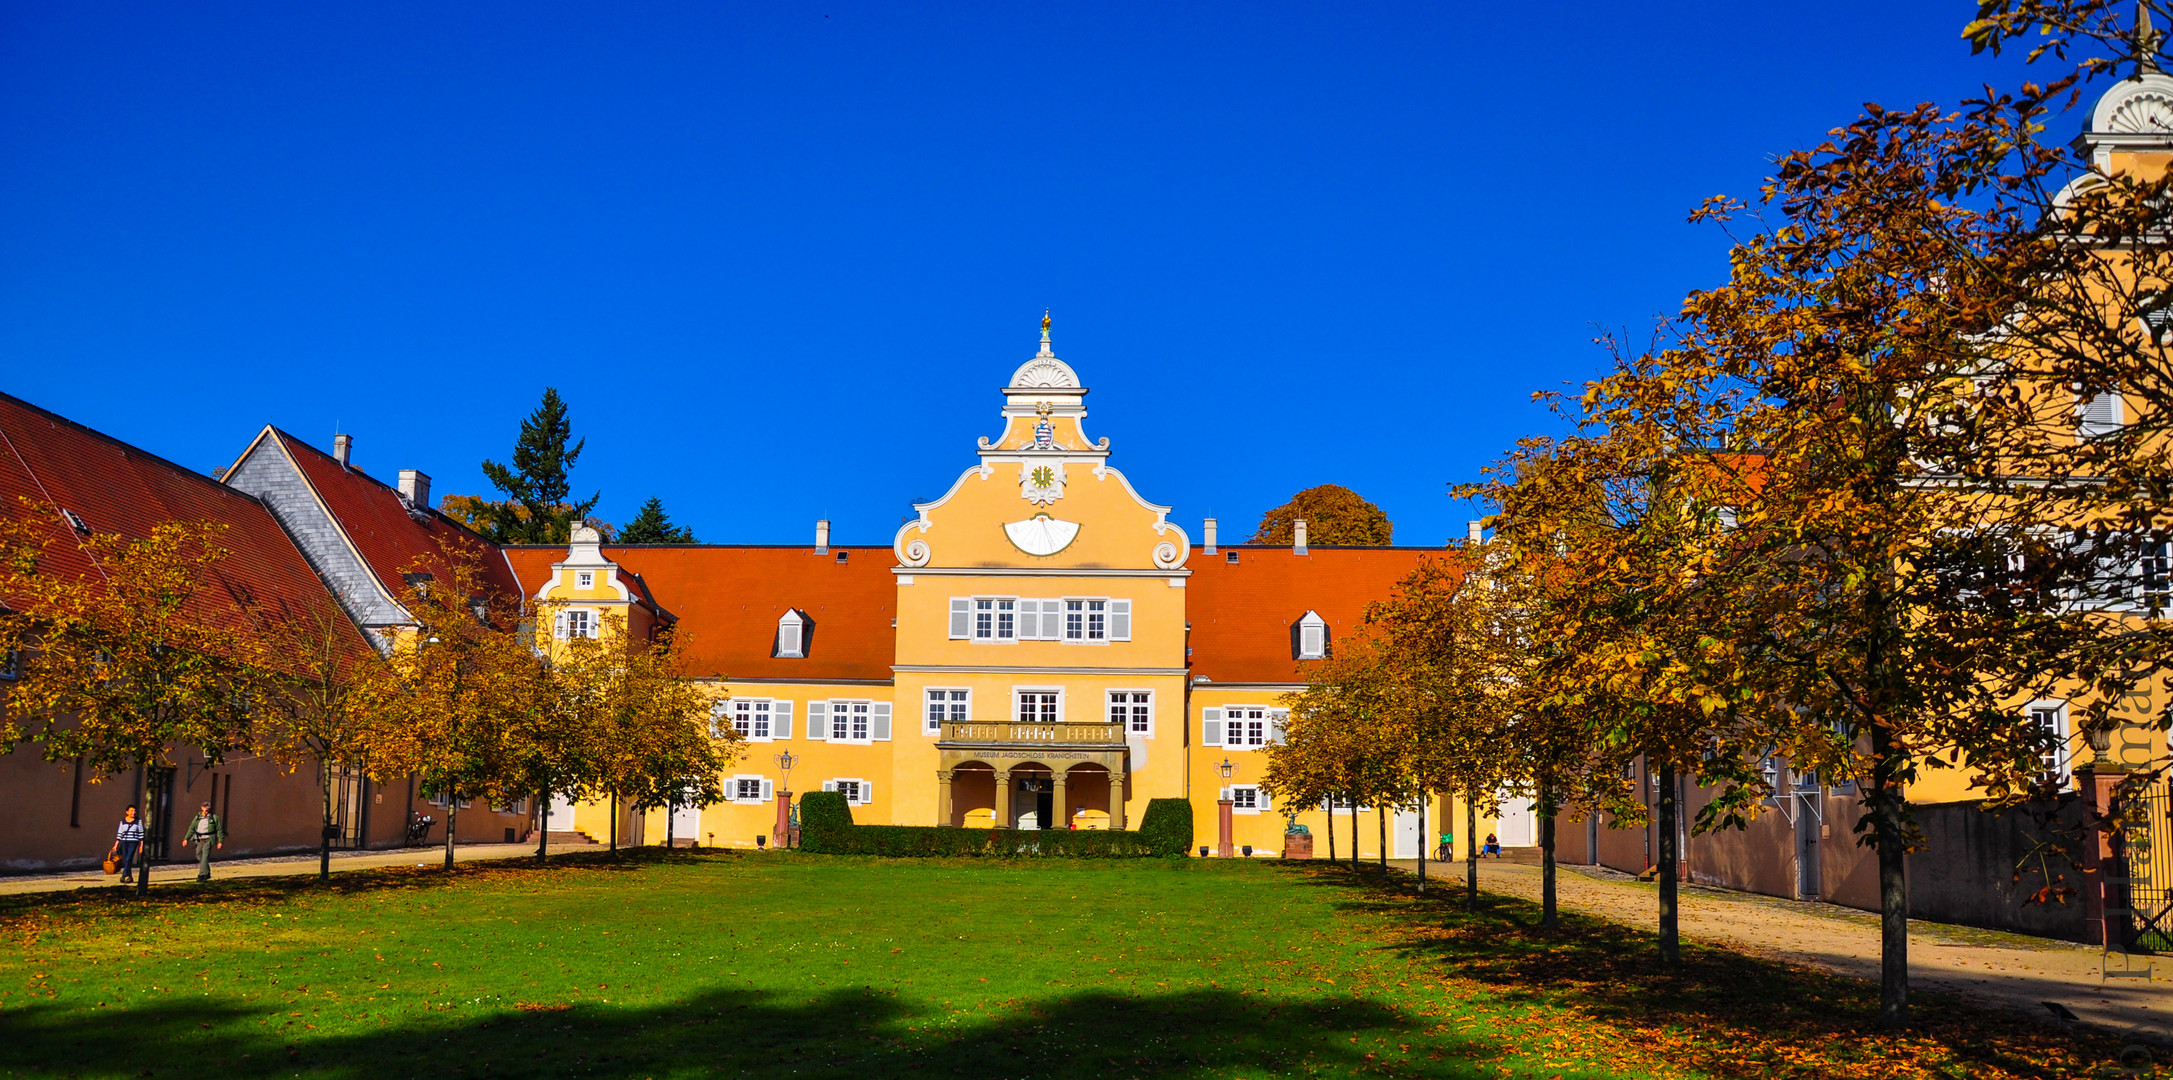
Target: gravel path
x=2011, y=971
x=283, y=866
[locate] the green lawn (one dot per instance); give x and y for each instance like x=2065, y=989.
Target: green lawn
x=698, y=965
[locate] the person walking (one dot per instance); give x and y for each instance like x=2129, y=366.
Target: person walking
x=127, y=844
x=208, y=835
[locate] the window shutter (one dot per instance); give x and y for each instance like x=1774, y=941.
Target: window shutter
x=558, y=625
x=961, y=617
x=1120, y=620
x=867, y=793
x=1029, y=620
x=1225, y=796
x=596, y=623
x=2100, y=415
x=1211, y=730
x=829, y=785
x=818, y=719
x=1052, y=620
x=781, y=720
x=769, y=794
x=1260, y=798
x=1277, y=718
x=879, y=721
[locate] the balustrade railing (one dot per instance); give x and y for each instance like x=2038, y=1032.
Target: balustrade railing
x=1012, y=733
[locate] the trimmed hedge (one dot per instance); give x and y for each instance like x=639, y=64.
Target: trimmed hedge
x=1167, y=826
x=825, y=810
x=920, y=841
x=826, y=827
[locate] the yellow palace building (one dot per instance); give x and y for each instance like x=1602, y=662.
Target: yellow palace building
x=1041, y=647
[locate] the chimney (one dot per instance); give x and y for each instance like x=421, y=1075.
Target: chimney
x=342, y=445
x=1478, y=533
x=822, y=536
x=1297, y=531
x=1208, y=532
x=415, y=488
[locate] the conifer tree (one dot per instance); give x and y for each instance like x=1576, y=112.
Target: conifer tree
x=538, y=483
x=653, y=526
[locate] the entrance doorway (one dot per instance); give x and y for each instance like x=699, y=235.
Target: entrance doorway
x=1034, y=801
x=1807, y=853
x=1514, y=828
x=1405, y=837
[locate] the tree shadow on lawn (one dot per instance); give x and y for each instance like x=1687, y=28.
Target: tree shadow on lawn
x=121, y=902
x=846, y=1034
x=1722, y=1012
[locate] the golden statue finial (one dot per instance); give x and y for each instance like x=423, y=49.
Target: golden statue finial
x=1044, y=320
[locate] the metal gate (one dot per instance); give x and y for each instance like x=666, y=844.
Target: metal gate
x=158, y=818
x=2149, y=855
x=350, y=818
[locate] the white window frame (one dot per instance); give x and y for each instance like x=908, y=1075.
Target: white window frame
x=956, y=709
x=1137, y=711
x=2115, y=408
x=856, y=721
x=584, y=579
x=1257, y=732
x=861, y=794
x=2053, y=711
x=1242, y=794
x=754, y=718
x=1018, y=699
x=571, y=623
x=1091, y=620
x=764, y=790
x=995, y=620
x=796, y=624
x=1312, y=637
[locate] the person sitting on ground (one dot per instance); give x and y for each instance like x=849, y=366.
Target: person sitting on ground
x=1493, y=846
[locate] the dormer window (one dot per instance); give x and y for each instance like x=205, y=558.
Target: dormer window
x=792, y=635
x=1311, y=633
x=584, y=579
x=75, y=521
x=2100, y=415
x=1233, y=558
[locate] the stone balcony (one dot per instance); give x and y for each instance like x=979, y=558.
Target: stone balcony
x=1006, y=733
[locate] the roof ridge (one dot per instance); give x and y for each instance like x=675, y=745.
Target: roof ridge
x=356, y=470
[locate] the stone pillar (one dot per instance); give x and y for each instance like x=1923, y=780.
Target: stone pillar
x=2103, y=871
x=1003, y=798
x=943, y=797
x=1224, y=845
x=1057, y=809
x=1116, y=800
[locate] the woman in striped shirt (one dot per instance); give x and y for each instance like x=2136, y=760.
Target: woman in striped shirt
x=127, y=843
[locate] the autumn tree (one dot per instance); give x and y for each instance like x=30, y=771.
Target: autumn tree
x=538, y=485
x=653, y=526
x=1332, y=514
x=327, y=699
x=466, y=676
x=656, y=741
x=126, y=646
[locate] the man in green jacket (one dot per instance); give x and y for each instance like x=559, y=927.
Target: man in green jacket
x=208, y=834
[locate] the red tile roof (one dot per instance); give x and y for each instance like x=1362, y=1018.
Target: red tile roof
x=377, y=522
x=728, y=601
x=118, y=489
x=1241, y=613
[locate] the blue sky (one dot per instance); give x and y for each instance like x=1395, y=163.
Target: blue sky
x=780, y=257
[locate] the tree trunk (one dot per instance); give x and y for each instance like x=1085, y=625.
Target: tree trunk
x=1422, y=844
x=543, y=835
x=1471, y=850
x=452, y=820
x=143, y=850
x=614, y=823
x=1671, y=945
x=1547, y=916
x=1354, y=830
x=669, y=804
x=1380, y=817
x=1331, y=830
x=324, y=834
x=1889, y=825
